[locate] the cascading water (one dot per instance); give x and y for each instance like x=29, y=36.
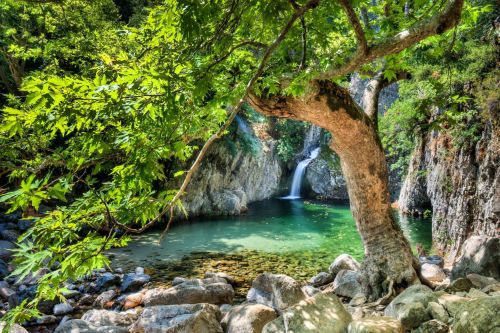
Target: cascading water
x=299, y=174
x=242, y=126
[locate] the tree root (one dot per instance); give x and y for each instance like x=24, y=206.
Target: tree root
x=382, y=300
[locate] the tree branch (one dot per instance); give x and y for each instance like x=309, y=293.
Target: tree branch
x=435, y=25
x=356, y=25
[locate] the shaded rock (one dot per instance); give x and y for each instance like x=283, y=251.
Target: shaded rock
x=343, y=261
x=105, y=299
x=185, y=318
x=14, y=329
x=133, y=282
x=432, y=260
x=322, y=313
x=178, y=280
x=229, y=279
x=410, y=306
x=6, y=248
x=437, y=311
x=46, y=320
x=4, y=269
x=346, y=283
x=109, y=318
x=277, y=290
x=452, y=303
x=480, y=281
x=107, y=280
x=432, y=273
x=474, y=293
x=10, y=235
x=70, y=293
x=491, y=288
x=478, y=315
x=480, y=255
x=432, y=326
x=310, y=290
x=62, y=308
x=371, y=324
x=5, y=291
x=25, y=224
x=133, y=300
x=87, y=299
x=81, y=326
x=321, y=279
x=461, y=284
x=358, y=299
x=247, y=318
x=216, y=293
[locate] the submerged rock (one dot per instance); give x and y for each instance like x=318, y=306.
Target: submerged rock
x=322, y=313
x=343, y=261
x=247, y=318
x=185, y=318
x=372, y=324
x=216, y=293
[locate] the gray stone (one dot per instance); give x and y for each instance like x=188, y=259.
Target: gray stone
x=87, y=299
x=410, y=306
x=358, y=299
x=25, y=224
x=5, y=291
x=6, y=248
x=452, y=303
x=139, y=270
x=216, y=293
x=491, y=288
x=105, y=299
x=4, y=269
x=229, y=279
x=346, y=283
x=437, y=311
x=81, y=326
x=14, y=329
x=199, y=282
x=282, y=291
x=62, y=308
x=343, y=261
x=247, y=318
x=185, y=318
x=107, y=280
x=480, y=281
x=433, y=260
x=474, y=293
x=321, y=279
x=10, y=235
x=432, y=273
x=478, y=315
x=46, y=320
x=310, y=290
x=460, y=284
x=480, y=255
x=324, y=177
x=372, y=324
x=322, y=313
x=178, y=280
x=110, y=318
x=134, y=282
x=432, y=326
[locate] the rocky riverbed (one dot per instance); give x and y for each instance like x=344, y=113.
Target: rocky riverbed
x=462, y=300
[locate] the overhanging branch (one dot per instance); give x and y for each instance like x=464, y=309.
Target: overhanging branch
x=356, y=25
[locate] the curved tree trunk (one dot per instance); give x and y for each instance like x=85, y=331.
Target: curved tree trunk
x=388, y=255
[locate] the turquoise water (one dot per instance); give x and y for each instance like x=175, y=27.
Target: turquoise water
x=276, y=227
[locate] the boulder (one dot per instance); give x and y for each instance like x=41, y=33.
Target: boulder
x=372, y=324
x=310, y=290
x=109, y=318
x=107, y=280
x=4, y=269
x=133, y=300
x=133, y=282
x=178, y=280
x=81, y=326
x=478, y=315
x=480, y=255
x=491, y=288
x=452, y=303
x=410, y=307
x=222, y=275
x=247, y=318
x=432, y=326
x=432, y=273
x=25, y=224
x=5, y=291
x=474, y=293
x=105, y=299
x=346, y=283
x=480, y=281
x=276, y=290
x=184, y=318
x=62, y=308
x=437, y=311
x=322, y=313
x=459, y=285
x=216, y=293
x=199, y=282
x=14, y=329
x=10, y=235
x=343, y=261
x=6, y=248
x=321, y=279
x=432, y=260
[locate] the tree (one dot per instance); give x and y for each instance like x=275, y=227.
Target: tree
x=114, y=132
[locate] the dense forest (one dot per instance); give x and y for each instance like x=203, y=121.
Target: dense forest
x=122, y=119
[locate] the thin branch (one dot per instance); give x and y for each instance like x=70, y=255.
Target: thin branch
x=303, y=61
x=435, y=25
x=194, y=167
x=356, y=25
x=232, y=49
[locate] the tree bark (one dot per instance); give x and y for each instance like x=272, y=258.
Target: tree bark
x=388, y=254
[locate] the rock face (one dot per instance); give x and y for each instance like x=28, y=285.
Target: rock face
x=247, y=318
x=228, y=180
x=324, y=176
x=480, y=255
x=215, y=293
x=185, y=318
x=461, y=184
x=321, y=313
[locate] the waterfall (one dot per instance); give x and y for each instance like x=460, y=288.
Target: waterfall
x=299, y=174
x=242, y=126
